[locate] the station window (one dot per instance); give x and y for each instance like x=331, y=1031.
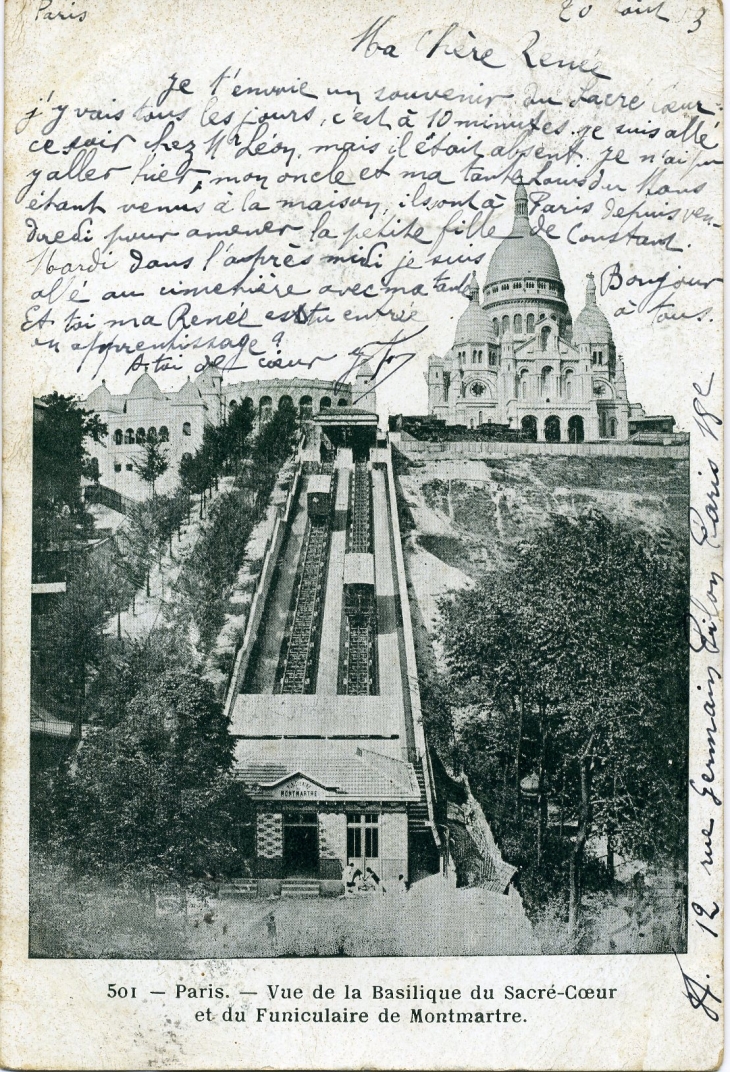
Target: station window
x=529, y=284
x=119, y=437
x=505, y=286
x=517, y=285
x=129, y=467
x=541, y=285
x=363, y=835
x=117, y=467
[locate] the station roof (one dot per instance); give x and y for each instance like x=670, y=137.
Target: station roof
x=316, y=717
x=301, y=770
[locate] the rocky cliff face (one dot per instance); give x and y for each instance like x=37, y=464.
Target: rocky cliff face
x=463, y=517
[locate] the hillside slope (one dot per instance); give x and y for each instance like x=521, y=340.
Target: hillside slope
x=463, y=517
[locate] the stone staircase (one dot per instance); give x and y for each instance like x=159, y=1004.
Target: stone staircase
x=300, y=887
x=240, y=887
x=418, y=820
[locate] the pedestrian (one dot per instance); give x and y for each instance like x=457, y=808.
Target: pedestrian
x=349, y=880
x=402, y=885
x=373, y=882
x=271, y=930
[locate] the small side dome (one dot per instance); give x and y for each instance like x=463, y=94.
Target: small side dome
x=591, y=325
x=100, y=397
x=473, y=325
x=145, y=387
x=189, y=393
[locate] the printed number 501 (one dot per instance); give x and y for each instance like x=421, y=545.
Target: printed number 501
x=114, y=991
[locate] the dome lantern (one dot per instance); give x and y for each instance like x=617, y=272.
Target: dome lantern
x=523, y=254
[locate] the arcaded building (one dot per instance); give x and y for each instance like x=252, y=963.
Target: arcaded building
x=176, y=419
x=519, y=360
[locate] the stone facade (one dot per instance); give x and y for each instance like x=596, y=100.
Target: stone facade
x=333, y=836
x=394, y=838
x=176, y=419
x=518, y=359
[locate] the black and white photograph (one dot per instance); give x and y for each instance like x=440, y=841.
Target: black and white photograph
x=310, y=682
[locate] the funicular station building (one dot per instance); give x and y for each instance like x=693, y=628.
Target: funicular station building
x=326, y=710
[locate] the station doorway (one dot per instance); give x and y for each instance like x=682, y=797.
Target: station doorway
x=301, y=847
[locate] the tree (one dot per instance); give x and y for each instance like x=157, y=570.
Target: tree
x=236, y=434
x=68, y=643
x=60, y=463
x=580, y=647
x=153, y=463
x=153, y=793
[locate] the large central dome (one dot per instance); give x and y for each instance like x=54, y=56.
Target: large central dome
x=523, y=254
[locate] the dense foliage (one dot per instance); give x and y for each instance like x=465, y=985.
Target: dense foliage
x=567, y=699
x=149, y=788
x=150, y=794
x=60, y=461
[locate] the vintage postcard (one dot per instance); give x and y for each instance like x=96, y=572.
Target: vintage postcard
x=362, y=550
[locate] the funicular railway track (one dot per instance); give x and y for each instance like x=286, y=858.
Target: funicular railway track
x=359, y=655
x=298, y=672
x=360, y=541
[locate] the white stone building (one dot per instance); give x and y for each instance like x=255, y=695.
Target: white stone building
x=176, y=419
x=519, y=360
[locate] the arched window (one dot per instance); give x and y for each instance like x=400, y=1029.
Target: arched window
x=545, y=380
x=325, y=403
x=495, y=326
x=523, y=384
x=529, y=428
x=530, y=323
x=480, y=357
x=613, y=427
x=285, y=402
x=473, y=357
x=129, y=435
x=471, y=422
x=552, y=430
x=164, y=434
x=265, y=408
x=575, y=430
x=187, y=430
x=518, y=324
x=305, y=406
x=342, y=402
x=568, y=385
x=140, y=437
x=151, y=435
x=119, y=437
x=232, y=404
x=480, y=416
x=544, y=337
x=505, y=324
